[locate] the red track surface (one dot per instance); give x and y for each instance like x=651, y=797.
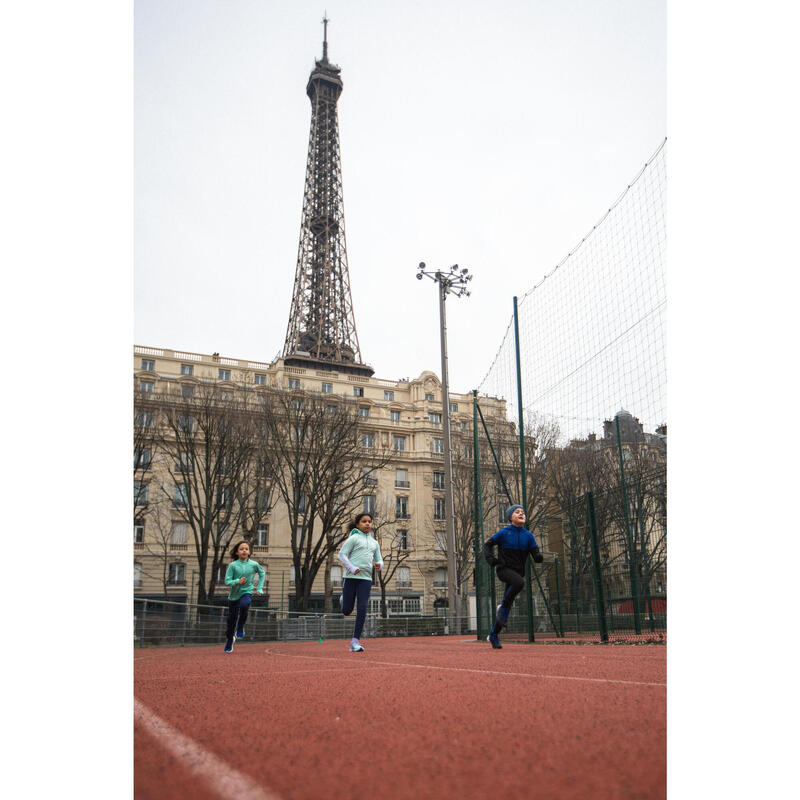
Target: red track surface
x=428, y=717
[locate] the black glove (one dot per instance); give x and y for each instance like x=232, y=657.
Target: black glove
x=537, y=556
x=493, y=561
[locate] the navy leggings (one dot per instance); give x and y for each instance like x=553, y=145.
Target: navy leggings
x=514, y=584
x=237, y=612
x=356, y=591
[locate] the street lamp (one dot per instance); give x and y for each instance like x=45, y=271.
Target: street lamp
x=452, y=282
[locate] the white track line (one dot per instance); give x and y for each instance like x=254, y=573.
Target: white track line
x=483, y=671
x=210, y=769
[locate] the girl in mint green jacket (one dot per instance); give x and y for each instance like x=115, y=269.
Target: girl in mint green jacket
x=240, y=577
x=359, y=554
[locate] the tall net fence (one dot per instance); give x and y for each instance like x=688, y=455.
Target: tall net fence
x=592, y=331
x=591, y=349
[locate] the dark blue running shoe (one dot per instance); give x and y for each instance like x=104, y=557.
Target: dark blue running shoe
x=502, y=614
x=229, y=645
x=494, y=641
x=240, y=633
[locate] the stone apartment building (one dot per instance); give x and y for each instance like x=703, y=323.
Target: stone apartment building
x=404, y=415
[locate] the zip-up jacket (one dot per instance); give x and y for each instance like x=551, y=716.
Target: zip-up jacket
x=360, y=551
x=513, y=546
x=244, y=569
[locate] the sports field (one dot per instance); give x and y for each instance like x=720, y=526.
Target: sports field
x=425, y=717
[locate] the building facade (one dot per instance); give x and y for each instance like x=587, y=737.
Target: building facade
x=406, y=495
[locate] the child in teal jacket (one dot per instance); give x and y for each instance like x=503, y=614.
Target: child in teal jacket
x=239, y=576
x=359, y=554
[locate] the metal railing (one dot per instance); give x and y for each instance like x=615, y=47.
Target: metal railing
x=166, y=623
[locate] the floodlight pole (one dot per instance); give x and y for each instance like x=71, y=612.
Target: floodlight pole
x=452, y=282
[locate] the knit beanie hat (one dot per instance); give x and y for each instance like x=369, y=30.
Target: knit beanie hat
x=511, y=510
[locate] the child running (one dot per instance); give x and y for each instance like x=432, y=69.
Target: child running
x=359, y=554
x=239, y=576
x=514, y=543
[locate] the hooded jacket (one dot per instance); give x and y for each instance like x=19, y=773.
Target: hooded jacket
x=513, y=545
x=360, y=551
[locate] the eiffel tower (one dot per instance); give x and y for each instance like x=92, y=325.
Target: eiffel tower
x=321, y=333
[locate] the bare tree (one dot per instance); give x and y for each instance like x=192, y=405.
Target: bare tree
x=207, y=438
x=394, y=549
x=316, y=456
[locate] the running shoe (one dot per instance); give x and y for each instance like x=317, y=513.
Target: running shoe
x=229, y=644
x=494, y=641
x=240, y=633
x=355, y=646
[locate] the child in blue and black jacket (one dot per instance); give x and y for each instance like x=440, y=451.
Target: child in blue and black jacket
x=514, y=543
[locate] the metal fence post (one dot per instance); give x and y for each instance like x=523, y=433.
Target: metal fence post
x=144, y=618
x=599, y=600
x=558, y=597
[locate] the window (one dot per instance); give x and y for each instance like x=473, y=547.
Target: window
x=369, y=503
x=259, y=379
x=298, y=405
x=394, y=416
x=294, y=383
x=358, y=391
x=336, y=577
x=368, y=440
x=401, y=507
x=411, y=605
x=147, y=386
x=429, y=398
x=141, y=458
x=224, y=374
x=187, y=369
x=394, y=605
x=224, y=497
x=138, y=531
x=438, y=508
x=262, y=499
x=187, y=390
x=403, y=577
x=454, y=406
x=302, y=502
x=177, y=574
x=399, y=442
x=137, y=575
x=185, y=424
x=298, y=535
x=331, y=409
x=262, y=536
x=369, y=477
x=327, y=388
x=401, y=479
x=501, y=513
x=180, y=533
x=183, y=462
x=139, y=493
x=363, y=411
x=438, y=480
x=180, y=498
x=440, y=578
x=148, y=365
x=386, y=395
x=291, y=576
x=402, y=540
x=144, y=419
x=438, y=446
x=298, y=434
x=434, y=416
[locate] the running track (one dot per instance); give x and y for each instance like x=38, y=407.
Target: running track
x=426, y=717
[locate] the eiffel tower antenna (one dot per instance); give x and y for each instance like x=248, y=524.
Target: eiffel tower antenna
x=321, y=333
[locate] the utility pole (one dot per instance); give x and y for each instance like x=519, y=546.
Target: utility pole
x=453, y=282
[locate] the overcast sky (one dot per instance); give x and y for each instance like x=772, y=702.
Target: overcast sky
x=489, y=135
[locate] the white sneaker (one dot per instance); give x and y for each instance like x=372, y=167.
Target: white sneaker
x=355, y=646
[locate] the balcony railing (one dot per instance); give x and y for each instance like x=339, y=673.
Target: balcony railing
x=402, y=484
